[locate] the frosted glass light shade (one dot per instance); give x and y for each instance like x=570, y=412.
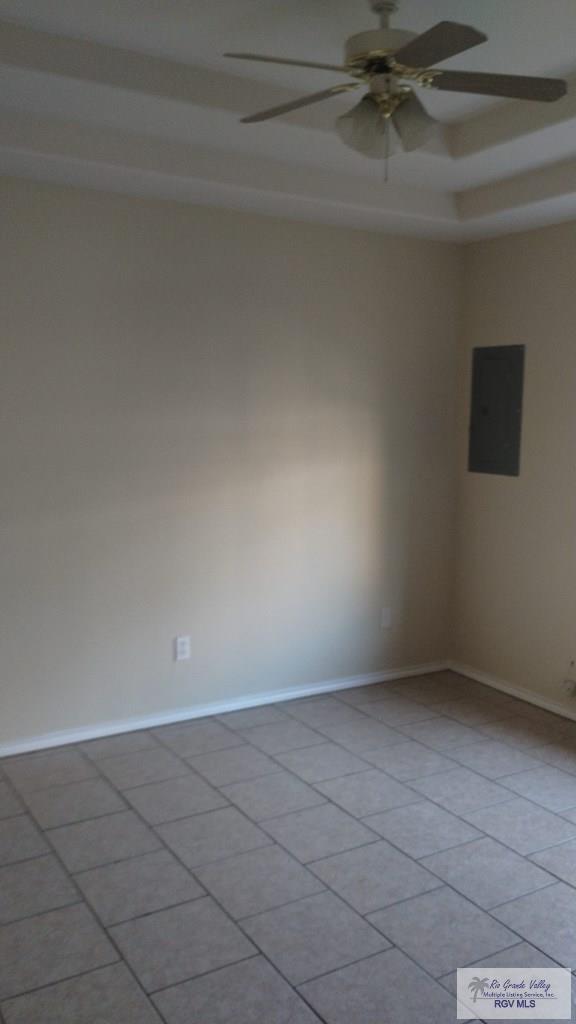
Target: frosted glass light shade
x=364, y=129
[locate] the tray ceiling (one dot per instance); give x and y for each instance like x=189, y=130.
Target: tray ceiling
x=134, y=96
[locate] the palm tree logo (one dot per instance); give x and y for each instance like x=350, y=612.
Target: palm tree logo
x=477, y=986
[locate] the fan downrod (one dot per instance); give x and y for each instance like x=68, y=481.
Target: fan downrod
x=384, y=9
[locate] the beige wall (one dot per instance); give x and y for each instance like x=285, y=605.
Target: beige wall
x=515, y=595
x=222, y=425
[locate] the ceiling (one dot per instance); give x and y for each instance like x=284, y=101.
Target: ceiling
x=134, y=96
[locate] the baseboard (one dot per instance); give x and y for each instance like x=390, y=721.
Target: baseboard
x=514, y=691
x=95, y=732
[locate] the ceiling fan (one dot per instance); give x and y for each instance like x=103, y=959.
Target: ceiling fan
x=392, y=61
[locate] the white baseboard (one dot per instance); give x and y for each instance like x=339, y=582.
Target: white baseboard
x=95, y=732
x=514, y=691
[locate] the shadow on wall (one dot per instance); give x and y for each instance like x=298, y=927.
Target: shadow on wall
x=202, y=441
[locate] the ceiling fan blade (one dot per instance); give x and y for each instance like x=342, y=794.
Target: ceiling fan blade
x=305, y=101
x=286, y=60
x=364, y=129
x=519, y=87
x=446, y=39
x=413, y=123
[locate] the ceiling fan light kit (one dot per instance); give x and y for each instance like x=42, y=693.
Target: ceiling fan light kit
x=364, y=129
x=392, y=62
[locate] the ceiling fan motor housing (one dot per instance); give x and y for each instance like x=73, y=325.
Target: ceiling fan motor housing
x=366, y=47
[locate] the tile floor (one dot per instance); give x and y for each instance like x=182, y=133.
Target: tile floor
x=325, y=860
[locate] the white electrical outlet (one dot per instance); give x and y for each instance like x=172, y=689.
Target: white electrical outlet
x=182, y=648
x=386, y=618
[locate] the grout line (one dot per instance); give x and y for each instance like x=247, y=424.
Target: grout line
x=286, y=814
x=545, y=849
x=226, y=857
x=326, y=889
x=548, y=885
x=404, y=900
x=26, y=860
x=331, y=778
x=85, y=821
x=77, y=821
x=229, y=917
x=297, y=985
x=233, y=921
x=256, y=955
x=98, y=918
x=95, y=917
x=231, y=782
x=499, y=840
x=482, y=909
x=23, y=794
x=150, y=913
x=377, y=838
x=182, y=817
x=43, y=913
x=445, y=849
x=61, y=981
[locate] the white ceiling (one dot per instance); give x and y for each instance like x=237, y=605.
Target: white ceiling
x=72, y=108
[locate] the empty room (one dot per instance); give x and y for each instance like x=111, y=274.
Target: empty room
x=287, y=511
